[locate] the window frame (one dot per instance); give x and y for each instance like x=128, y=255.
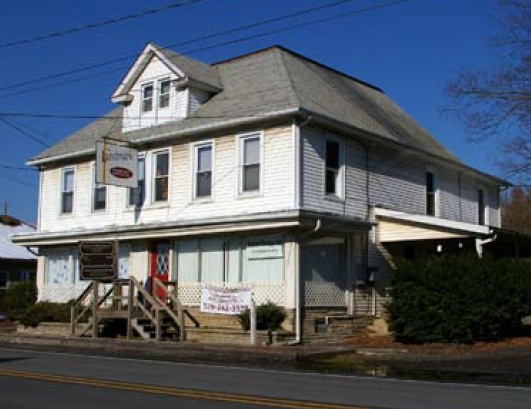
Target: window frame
x=435, y=194
x=94, y=187
x=486, y=207
x=195, y=164
x=62, y=191
x=153, y=178
x=340, y=178
x=160, y=94
x=240, y=161
x=141, y=156
x=143, y=98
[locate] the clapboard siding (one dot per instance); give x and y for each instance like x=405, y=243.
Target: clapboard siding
x=396, y=180
x=154, y=71
x=276, y=194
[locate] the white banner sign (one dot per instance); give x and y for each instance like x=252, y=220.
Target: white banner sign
x=116, y=165
x=228, y=301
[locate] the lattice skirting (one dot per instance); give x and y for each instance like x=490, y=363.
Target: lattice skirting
x=65, y=293
x=324, y=294
x=190, y=293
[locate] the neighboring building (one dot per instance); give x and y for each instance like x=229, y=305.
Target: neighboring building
x=17, y=263
x=268, y=170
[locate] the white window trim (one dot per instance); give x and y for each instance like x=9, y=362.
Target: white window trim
x=437, y=189
x=240, y=138
x=159, y=93
x=128, y=204
x=486, y=200
x=342, y=157
x=93, y=191
x=194, y=162
x=153, y=97
x=152, y=167
x=61, y=181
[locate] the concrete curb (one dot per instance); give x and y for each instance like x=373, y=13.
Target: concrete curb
x=272, y=356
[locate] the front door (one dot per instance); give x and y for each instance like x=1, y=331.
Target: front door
x=160, y=262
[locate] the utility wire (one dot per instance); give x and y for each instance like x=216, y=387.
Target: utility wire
x=98, y=24
x=17, y=168
x=21, y=182
x=187, y=42
x=23, y=132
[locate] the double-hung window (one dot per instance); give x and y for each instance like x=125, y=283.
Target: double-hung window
x=67, y=190
x=333, y=168
x=99, y=194
x=161, y=167
x=137, y=195
x=251, y=157
x=431, y=194
x=147, y=97
x=203, y=170
x=164, y=93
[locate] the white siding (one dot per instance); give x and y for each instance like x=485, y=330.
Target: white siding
x=197, y=98
x=134, y=118
x=276, y=193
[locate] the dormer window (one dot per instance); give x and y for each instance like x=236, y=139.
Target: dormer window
x=164, y=93
x=147, y=97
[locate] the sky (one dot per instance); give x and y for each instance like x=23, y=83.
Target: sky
x=410, y=49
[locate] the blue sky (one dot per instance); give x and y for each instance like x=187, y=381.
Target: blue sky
x=411, y=50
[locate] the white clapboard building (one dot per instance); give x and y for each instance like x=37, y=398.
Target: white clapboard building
x=270, y=171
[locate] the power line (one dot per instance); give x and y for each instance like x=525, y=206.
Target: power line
x=203, y=38
x=18, y=168
x=21, y=182
x=183, y=43
x=98, y=24
x=23, y=132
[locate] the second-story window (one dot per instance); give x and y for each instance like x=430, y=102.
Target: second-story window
x=164, y=93
x=161, y=176
x=147, y=97
x=203, y=170
x=250, y=163
x=137, y=195
x=431, y=193
x=482, y=208
x=67, y=191
x=99, y=193
x=333, y=168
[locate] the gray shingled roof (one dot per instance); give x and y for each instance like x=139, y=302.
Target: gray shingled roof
x=196, y=70
x=271, y=81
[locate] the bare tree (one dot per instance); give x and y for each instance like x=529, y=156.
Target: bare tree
x=497, y=102
x=516, y=210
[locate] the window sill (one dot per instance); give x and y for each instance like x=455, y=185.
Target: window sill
x=249, y=195
x=334, y=198
x=202, y=200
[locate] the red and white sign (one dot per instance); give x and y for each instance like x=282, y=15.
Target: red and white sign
x=223, y=300
x=116, y=164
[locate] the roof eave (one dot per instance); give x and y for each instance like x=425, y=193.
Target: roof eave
x=370, y=136
x=231, y=123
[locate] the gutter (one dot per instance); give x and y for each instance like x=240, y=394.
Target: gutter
x=480, y=243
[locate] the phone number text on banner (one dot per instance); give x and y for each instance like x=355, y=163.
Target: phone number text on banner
x=222, y=300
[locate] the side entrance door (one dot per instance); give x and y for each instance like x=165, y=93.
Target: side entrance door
x=160, y=263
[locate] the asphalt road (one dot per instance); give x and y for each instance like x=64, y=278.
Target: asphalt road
x=31, y=379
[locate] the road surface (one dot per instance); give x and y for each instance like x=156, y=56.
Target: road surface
x=36, y=379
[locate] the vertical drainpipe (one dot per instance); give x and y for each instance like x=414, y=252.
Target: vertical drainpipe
x=39, y=199
x=295, y=133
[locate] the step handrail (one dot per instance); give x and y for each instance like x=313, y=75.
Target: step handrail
x=180, y=309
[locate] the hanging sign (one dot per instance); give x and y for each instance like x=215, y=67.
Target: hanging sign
x=97, y=260
x=116, y=164
x=222, y=300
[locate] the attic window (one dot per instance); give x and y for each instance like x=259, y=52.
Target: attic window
x=164, y=93
x=147, y=97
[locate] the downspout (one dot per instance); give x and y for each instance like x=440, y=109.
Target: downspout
x=298, y=313
x=480, y=243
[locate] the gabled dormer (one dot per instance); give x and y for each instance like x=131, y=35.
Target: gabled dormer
x=163, y=86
